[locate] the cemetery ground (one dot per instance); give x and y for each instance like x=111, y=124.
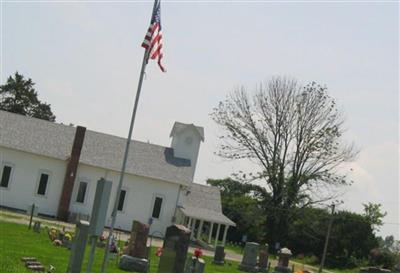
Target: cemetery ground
x=17, y=241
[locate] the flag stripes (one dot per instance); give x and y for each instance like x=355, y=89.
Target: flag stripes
x=153, y=40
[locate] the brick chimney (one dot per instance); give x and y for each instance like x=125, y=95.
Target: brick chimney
x=72, y=166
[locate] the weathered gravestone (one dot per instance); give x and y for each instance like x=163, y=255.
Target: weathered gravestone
x=263, y=258
x=36, y=226
x=283, y=262
x=195, y=265
x=134, y=264
x=78, y=247
x=136, y=258
x=249, y=261
x=176, y=244
x=219, y=255
x=138, y=240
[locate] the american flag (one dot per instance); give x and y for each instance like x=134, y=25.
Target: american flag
x=153, y=39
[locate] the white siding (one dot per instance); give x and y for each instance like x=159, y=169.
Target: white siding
x=139, y=198
x=22, y=189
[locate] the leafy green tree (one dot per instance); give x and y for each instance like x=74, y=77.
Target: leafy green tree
x=242, y=204
x=17, y=95
x=293, y=134
x=374, y=215
x=350, y=243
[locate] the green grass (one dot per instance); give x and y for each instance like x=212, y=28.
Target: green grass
x=17, y=241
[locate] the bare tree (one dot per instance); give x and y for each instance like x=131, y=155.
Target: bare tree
x=293, y=134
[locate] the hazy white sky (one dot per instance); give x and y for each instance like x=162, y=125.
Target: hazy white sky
x=85, y=59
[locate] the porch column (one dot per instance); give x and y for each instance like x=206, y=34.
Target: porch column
x=199, y=231
x=189, y=222
x=192, y=229
x=210, y=233
x=217, y=235
x=225, y=233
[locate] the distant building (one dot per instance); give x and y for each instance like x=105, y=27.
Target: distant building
x=56, y=167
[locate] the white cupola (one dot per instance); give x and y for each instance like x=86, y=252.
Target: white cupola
x=186, y=140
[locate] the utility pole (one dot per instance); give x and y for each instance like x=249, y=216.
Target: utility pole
x=328, y=234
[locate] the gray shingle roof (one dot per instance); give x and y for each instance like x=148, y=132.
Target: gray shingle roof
x=100, y=150
x=204, y=203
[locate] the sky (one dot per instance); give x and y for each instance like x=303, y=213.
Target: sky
x=85, y=59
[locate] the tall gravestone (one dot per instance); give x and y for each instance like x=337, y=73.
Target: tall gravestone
x=283, y=262
x=78, y=247
x=263, y=258
x=138, y=240
x=219, y=255
x=176, y=245
x=249, y=261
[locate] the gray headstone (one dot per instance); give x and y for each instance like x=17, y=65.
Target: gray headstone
x=283, y=262
x=249, y=261
x=200, y=266
x=78, y=247
x=194, y=265
x=130, y=263
x=99, y=208
x=219, y=255
x=176, y=244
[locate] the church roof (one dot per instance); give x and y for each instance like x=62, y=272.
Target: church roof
x=204, y=203
x=99, y=150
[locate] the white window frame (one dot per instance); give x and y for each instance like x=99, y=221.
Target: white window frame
x=125, y=200
x=77, y=183
x=155, y=195
x=50, y=175
x=9, y=164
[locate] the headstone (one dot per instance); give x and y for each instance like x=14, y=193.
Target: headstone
x=200, y=266
x=78, y=247
x=219, y=255
x=249, y=261
x=263, y=258
x=99, y=208
x=137, y=246
x=32, y=263
x=195, y=265
x=133, y=264
x=176, y=244
x=36, y=226
x=39, y=268
x=283, y=262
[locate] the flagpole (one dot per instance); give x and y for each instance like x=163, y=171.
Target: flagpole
x=128, y=142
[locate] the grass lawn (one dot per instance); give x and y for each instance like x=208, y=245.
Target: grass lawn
x=17, y=241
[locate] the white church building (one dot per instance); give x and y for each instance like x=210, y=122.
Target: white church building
x=56, y=167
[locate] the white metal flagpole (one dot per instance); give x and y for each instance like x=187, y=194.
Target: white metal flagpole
x=128, y=142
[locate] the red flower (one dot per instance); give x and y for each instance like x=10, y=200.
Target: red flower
x=198, y=253
x=159, y=251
